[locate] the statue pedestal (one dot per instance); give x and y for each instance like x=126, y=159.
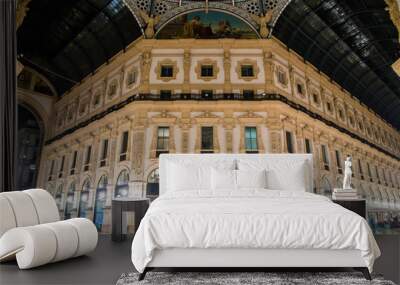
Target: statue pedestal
x=344, y=194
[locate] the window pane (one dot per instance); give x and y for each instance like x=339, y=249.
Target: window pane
x=247, y=71
x=251, y=139
x=163, y=138
x=124, y=142
x=105, y=149
x=289, y=142
x=207, y=70
x=166, y=71
x=308, y=146
x=207, y=138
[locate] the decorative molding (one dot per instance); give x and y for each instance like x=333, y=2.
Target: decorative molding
x=167, y=62
x=247, y=61
x=263, y=97
x=209, y=62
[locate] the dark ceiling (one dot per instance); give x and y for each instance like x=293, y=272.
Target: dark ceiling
x=354, y=42
x=68, y=39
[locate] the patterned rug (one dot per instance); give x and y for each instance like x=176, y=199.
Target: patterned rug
x=244, y=278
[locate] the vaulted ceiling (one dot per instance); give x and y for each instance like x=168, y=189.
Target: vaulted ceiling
x=354, y=42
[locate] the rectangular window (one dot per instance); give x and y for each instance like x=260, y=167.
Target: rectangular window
x=60, y=174
x=338, y=162
x=207, y=71
x=247, y=71
x=87, y=158
x=251, y=139
x=73, y=164
x=360, y=169
x=315, y=98
x=384, y=176
x=329, y=106
x=124, y=146
x=162, y=140
x=207, y=140
x=369, y=172
x=377, y=174
x=289, y=142
x=282, y=77
x=51, y=170
x=325, y=158
x=104, y=153
x=165, y=94
x=167, y=71
x=248, y=94
x=206, y=94
x=307, y=143
x=299, y=88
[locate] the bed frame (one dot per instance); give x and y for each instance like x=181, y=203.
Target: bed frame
x=233, y=259
x=245, y=259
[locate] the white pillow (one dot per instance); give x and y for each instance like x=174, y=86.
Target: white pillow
x=251, y=178
x=293, y=179
x=223, y=179
x=281, y=174
x=183, y=178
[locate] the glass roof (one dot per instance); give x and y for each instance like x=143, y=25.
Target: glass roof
x=66, y=40
x=354, y=42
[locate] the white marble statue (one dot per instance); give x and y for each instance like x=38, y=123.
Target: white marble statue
x=347, y=174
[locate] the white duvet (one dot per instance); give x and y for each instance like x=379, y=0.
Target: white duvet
x=250, y=219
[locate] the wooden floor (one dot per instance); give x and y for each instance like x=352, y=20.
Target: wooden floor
x=110, y=260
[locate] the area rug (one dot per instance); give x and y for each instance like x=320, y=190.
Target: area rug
x=244, y=278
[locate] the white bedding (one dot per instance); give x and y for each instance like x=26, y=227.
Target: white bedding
x=256, y=218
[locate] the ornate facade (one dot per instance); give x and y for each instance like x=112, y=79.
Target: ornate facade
x=221, y=96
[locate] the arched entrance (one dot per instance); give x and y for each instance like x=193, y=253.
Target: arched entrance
x=152, y=188
x=69, y=203
x=84, y=199
x=101, y=195
x=122, y=186
x=30, y=138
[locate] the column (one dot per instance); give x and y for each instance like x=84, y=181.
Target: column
x=227, y=71
x=137, y=183
x=145, y=71
x=229, y=125
x=274, y=126
x=186, y=71
x=185, y=124
x=269, y=72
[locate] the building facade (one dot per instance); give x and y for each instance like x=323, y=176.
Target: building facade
x=104, y=136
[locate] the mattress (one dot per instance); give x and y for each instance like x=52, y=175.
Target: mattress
x=251, y=219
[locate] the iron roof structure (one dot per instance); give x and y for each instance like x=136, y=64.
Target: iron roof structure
x=354, y=42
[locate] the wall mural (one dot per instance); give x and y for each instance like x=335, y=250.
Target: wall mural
x=202, y=25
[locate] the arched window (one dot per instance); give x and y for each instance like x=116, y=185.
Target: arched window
x=122, y=186
x=59, y=196
x=84, y=200
x=30, y=137
x=69, y=204
x=101, y=195
x=153, y=180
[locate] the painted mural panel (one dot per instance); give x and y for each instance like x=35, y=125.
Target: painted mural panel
x=202, y=25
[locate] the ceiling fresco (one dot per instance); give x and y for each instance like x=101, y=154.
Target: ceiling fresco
x=202, y=25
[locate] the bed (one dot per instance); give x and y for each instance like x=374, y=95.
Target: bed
x=247, y=211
